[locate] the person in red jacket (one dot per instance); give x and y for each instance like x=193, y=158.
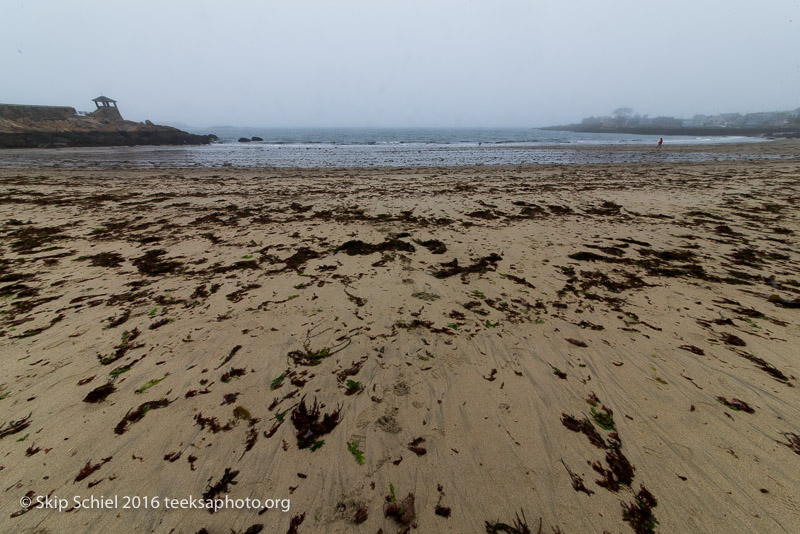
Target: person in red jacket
x=660, y=142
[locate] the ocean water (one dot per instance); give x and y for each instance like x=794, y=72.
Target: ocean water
x=374, y=147
x=453, y=137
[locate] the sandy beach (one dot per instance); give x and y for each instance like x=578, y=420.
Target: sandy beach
x=593, y=348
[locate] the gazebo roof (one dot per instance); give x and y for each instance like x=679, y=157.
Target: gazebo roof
x=103, y=99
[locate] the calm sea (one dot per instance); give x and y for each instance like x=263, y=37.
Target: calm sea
x=372, y=147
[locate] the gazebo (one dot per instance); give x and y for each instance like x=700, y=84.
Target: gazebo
x=104, y=101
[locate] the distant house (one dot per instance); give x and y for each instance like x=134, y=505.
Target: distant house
x=666, y=122
x=106, y=108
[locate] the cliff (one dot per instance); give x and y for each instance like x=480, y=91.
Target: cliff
x=61, y=126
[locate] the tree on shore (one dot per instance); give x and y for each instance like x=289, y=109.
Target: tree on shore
x=622, y=114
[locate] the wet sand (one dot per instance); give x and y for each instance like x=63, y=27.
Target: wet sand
x=597, y=347
x=775, y=147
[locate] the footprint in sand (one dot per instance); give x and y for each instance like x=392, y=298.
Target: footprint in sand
x=366, y=417
x=401, y=388
x=388, y=422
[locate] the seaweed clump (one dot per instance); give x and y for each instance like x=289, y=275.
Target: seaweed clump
x=150, y=263
x=736, y=404
x=433, y=245
x=620, y=470
x=584, y=427
x=99, y=394
x=482, y=265
x=106, y=259
x=520, y=526
x=30, y=238
x=134, y=416
x=402, y=512
x=88, y=469
x=640, y=512
x=357, y=247
x=228, y=478
x=309, y=426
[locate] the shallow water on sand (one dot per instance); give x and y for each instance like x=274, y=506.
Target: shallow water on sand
x=227, y=155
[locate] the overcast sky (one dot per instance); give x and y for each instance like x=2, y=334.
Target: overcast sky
x=401, y=63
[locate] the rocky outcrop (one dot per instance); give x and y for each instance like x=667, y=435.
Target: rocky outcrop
x=170, y=136
x=60, y=126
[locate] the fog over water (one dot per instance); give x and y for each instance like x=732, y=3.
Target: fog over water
x=446, y=63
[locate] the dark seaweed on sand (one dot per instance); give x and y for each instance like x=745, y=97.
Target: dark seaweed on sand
x=731, y=339
x=640, y=512
x=228, y=478
x=736, y=404
x=230, y=356
x=119, y=320
x=361, y=514
x=250, y=441
x=295, y=522
x=308, y=424
x=173, y=456
x=297, y=260
x=518, y=280
x=443, y=511
x=126, y=345
x=585, y=427
x=106, y=259
x=792, y=441
x=359, y=248
x=36, y=331
x=235, y=372
x=136, y=415
x=402, y=512
x=237, y=266
x=88, y=469
x=213, y=423
x=414, y=446
x=433, y=245
x=311, y=357
x=577, y=342
x=620, y=470
x=765, y=366
x=99, y=394
x=519, y=526
x=29, y=238
x=159, y=323
x=577, y=481
x=354, y=368
x=482, y=265
x=15, y=426
x=693, y=349
x=151, y=263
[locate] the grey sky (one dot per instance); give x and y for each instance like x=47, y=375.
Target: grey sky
x=401, y=63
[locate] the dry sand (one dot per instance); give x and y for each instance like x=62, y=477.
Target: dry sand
x=473, y=332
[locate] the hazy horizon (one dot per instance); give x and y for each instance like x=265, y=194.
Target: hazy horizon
x=444, y=64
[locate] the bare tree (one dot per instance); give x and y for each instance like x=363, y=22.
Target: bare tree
x=622, y=113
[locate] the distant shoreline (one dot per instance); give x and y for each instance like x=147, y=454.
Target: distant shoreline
x=784, y=132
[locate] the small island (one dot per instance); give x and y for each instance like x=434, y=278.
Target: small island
x=24, y=126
